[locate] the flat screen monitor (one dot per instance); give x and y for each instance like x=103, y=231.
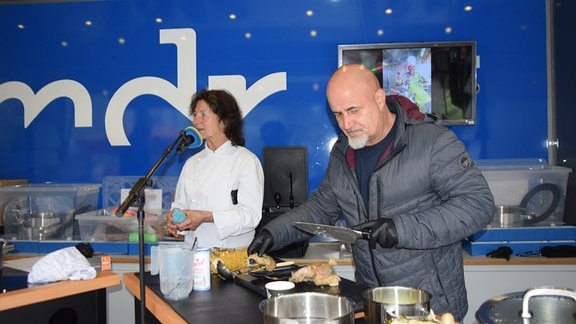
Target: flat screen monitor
x=440, y=77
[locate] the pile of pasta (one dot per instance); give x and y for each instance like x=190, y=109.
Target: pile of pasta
x=233, y=259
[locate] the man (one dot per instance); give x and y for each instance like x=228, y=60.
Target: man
x=411, y=183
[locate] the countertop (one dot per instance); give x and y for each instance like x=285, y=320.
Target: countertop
x=322, y=251
x=318, y=252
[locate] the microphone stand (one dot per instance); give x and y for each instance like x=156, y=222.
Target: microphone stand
x=136, y=197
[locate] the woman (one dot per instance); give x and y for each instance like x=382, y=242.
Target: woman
x=221, y=188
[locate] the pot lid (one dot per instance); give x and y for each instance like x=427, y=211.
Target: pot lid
x=543, y=309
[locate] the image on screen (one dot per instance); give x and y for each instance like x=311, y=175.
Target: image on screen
x=439, y=77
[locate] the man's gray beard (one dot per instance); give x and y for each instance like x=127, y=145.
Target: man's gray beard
x=358, y=142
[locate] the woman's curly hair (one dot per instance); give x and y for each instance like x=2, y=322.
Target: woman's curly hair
x=223, y=104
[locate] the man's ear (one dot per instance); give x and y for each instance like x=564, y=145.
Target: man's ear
x=380, y=97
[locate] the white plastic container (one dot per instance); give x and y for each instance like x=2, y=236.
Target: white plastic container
x=201, y=269
x=528, y=183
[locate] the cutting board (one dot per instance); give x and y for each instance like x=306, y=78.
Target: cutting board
x=347, y=288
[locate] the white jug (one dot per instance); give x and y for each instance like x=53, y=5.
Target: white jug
x=174, y=265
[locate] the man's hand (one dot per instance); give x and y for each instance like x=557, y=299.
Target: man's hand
x=262, y=243
x=382, y=231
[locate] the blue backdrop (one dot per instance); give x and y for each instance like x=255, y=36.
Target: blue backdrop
x=96, y=88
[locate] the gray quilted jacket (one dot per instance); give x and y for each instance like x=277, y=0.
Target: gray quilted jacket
x=429, y=186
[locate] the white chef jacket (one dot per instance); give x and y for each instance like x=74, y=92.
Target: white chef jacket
x=206, y=182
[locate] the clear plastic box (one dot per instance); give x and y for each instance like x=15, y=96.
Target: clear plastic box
x=104, y=226
x=529, y=183
x=45, y=211
x=112, y=186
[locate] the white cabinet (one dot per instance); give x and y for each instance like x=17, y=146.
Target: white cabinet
x=120, y=301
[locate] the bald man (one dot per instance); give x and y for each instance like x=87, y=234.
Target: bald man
x=411, y=183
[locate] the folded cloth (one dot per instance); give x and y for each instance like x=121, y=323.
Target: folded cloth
x=64, y=264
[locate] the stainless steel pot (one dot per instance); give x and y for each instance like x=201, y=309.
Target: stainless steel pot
x=43, y=226
x=511, y=216
x=535, y=305
x=385, y=303
x=307, y=307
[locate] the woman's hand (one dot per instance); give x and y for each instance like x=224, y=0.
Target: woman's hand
x=170, y=226
x=194, y=218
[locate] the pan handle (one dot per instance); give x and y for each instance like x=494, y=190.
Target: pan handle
x=543, y=291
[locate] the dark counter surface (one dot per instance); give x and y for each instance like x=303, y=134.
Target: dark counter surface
x=225, y=302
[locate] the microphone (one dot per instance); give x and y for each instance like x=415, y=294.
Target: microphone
x=190, y=139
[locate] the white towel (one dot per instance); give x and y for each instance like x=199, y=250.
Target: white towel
x=64, y=264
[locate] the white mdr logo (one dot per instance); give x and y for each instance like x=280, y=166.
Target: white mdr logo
x=176, y=95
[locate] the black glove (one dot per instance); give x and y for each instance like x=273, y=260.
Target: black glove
x=262, y=243
x=502, y=252
x=382, y=231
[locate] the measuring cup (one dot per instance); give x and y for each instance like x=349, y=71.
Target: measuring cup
x=174, y=265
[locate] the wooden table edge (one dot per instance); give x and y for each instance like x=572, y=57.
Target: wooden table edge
x=154, y=303
x=41, y=293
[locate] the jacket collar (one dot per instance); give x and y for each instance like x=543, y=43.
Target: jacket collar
x=225, y=148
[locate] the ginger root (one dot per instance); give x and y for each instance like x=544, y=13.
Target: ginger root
x=265, y=260
x=446, y=318
x=320, y=274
